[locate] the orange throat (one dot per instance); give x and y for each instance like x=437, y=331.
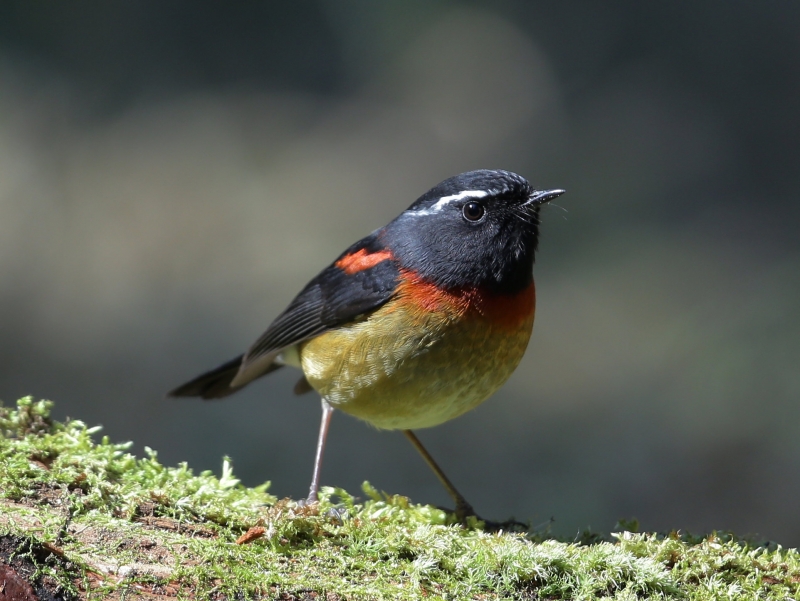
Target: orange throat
x=507, y=312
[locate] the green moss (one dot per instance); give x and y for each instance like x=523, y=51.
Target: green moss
x=128, y=524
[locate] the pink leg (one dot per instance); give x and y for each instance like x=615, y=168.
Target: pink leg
x=463, y=509
x=327, y=412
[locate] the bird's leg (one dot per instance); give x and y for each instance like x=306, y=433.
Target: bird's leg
x=327, y=412
x=463, y=509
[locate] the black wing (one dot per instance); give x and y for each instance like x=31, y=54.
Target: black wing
x=339, y=294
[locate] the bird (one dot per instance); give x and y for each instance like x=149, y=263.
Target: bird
x=415, y=324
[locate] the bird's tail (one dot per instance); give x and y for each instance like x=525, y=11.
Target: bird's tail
x=216, y=383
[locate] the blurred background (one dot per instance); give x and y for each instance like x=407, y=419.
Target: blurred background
x=171, y=174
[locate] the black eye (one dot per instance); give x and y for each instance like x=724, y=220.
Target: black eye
x=473, y=211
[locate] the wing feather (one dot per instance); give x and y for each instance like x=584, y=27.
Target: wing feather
x=335, y=297
x=363, y=278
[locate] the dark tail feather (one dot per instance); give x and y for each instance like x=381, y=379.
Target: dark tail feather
x=216, y=383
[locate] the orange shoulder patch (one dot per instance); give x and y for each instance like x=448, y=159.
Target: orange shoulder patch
x=361, y=260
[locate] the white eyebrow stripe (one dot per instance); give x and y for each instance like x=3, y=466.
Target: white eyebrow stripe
x=446, y=200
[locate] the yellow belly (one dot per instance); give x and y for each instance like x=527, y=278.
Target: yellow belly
x=407, y=367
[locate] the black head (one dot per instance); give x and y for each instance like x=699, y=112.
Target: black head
x=477, y=229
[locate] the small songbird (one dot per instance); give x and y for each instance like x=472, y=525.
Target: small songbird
x=415, y=324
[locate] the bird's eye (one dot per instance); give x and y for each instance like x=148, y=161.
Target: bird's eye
x=473, y=211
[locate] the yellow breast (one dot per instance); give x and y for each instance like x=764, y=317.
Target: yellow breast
x=424, y=358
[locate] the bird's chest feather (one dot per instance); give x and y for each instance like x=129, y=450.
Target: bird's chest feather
x=425, y=357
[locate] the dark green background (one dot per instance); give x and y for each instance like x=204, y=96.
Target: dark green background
x=171, y=173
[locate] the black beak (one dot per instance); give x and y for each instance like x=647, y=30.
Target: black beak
x=538, y=198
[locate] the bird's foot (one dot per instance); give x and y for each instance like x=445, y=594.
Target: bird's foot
x=510, y=525
x=464, y=512
x=307, y=502
x=337, y=514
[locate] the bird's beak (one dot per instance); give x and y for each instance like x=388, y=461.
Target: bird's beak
x=538, y=198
